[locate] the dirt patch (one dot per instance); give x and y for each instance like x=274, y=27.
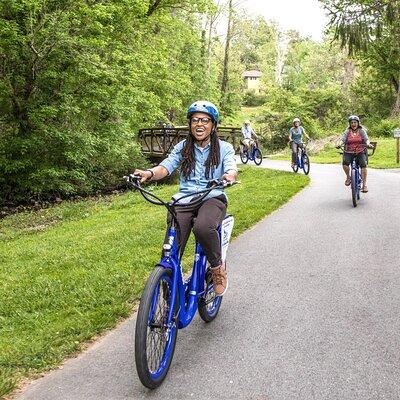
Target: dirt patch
x=317, y=145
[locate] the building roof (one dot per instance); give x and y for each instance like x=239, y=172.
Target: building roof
x=252, y=73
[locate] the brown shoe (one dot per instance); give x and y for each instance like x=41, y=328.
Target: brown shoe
x=220, y=280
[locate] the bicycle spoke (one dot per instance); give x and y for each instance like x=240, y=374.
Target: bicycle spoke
x=157, y=335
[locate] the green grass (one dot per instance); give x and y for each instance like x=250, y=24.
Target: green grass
x=384, y=157
x=69, y=272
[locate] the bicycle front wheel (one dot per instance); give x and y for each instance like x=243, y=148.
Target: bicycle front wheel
x=306, y=164
x=354, y=187
x=244, y=156
x=154, y=338
x=209, y=304
x=258, y=157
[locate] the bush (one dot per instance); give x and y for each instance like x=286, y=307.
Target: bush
x=253, y=99
x=384, y=128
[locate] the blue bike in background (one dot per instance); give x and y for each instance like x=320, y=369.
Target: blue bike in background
x=355, y=175
x=252, y=154
x=302, y=160
x=169, y=301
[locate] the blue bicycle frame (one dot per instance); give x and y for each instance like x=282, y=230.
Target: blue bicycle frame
x=357, y=177
x=188, y=291
x=169, y=302
x=302, y=160
x=252, y=153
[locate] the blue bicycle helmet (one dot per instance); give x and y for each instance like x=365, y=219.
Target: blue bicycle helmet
x=205, y=107
x=354, y=118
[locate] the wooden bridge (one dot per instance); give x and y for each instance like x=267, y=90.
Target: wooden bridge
x=158, y=142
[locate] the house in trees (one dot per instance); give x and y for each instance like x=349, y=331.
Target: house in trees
x=252, y=80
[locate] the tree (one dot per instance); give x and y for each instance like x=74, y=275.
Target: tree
x=77, y=80
x=371, y=27
x=225, y=70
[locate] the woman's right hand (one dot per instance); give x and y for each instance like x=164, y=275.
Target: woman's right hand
x=145, y=175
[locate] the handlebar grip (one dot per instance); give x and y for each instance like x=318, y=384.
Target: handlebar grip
x=134, y=179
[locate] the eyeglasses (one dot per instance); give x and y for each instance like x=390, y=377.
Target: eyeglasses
x=202, y=121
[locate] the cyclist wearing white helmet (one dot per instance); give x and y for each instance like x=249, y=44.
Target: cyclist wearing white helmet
x=249, y=136
x=295, y=138
x=355, y=140
x=201, y=157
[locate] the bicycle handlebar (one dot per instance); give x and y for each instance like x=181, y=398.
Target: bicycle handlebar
x=134, y=180
x=372, y=146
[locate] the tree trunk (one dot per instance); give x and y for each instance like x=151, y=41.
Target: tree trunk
x=224, y=81
x=209, y=47
x=396, y=108
x=348, y=76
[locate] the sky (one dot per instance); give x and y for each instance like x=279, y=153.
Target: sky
x=305, y=16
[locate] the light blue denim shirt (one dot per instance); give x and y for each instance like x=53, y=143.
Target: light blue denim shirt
x=197, y=180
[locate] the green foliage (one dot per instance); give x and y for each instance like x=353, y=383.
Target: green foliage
x=254, y=99
x=66, y=125
x=370, y=30
x=77, y=80
x=371, y=93
x=384, y=128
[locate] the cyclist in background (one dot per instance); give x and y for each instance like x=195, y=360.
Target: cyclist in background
x=355, y=140
x=249, y=136
x=295, y=138
x=201, y=157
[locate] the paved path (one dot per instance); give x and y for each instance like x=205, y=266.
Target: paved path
x=312, y=311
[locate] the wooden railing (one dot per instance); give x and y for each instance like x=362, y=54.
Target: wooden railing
x=158, y=142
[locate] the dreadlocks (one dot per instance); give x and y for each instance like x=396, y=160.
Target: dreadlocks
x=188, y=163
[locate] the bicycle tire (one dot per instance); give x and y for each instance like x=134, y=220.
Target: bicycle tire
x=154, y=305
x=209, y=305
x=258, y=156
x=306, y=164
x=295, y=167
x=353, y=188
x=244, y=157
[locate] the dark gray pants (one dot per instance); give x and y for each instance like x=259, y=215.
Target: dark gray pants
x=204, y=220
x=295, y=146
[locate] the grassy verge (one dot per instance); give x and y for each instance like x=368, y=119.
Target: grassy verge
x=68, y=273
x=384, y=157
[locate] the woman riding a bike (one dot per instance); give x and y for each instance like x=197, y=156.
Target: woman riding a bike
x=355, y=141
x=249, y=137
x=295, y=138
x=202, y=157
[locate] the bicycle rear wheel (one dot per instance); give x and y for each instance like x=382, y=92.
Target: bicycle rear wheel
x=209, y=304
x=354, y=187
x=306, y=164
x=154, y=339
x=258, y=157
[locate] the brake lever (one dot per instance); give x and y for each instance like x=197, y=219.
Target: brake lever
x=212, y=183
x=133, y=179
